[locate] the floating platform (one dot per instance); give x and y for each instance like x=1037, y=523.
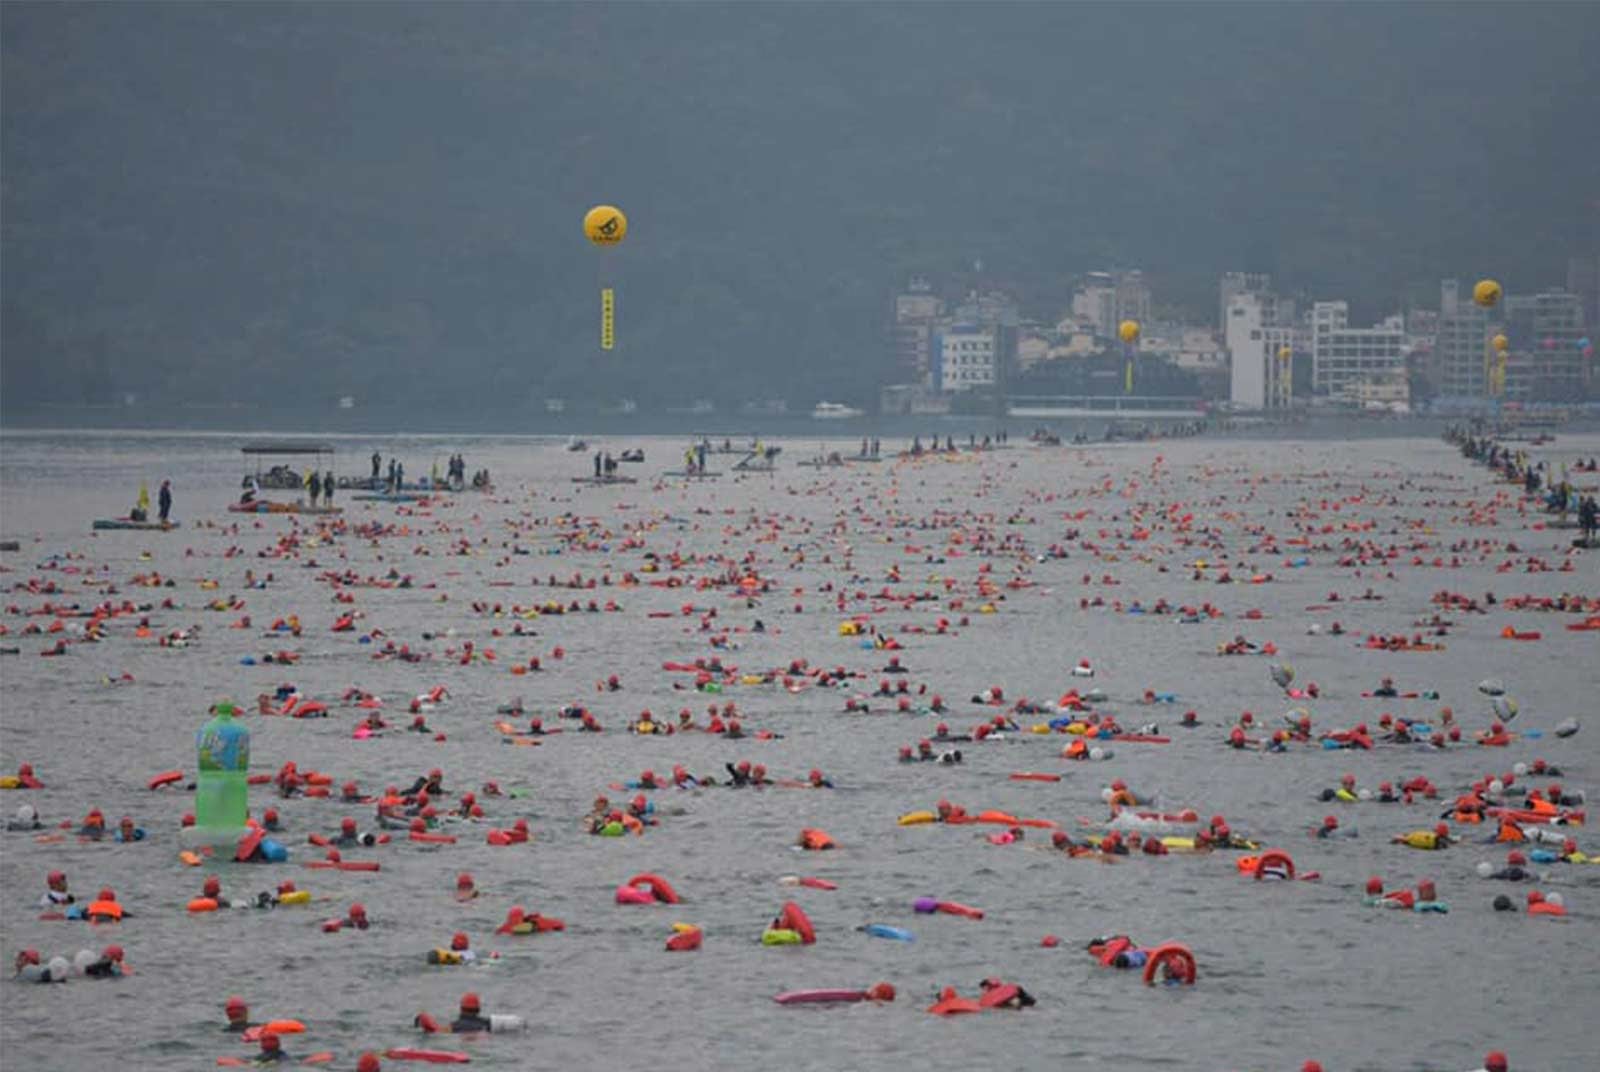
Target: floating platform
x=105, y=523
x=603, y=481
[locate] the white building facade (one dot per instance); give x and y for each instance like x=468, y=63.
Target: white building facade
x=1256, y=335
x=967, y=357
x=1343, y=357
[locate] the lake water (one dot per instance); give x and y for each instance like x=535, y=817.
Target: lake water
x=1287, y=970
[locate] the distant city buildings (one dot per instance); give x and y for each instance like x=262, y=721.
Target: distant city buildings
x=1270, y=353
x=1105, y=299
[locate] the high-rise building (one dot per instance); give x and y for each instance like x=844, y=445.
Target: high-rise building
x=1461, y=345
x=1104, y=300
x=1343, y=357
x=969, y=357
x=1583, y=279
x=916, y=313
x=1235, y=283
x=1545, y=362
x=1258, y=334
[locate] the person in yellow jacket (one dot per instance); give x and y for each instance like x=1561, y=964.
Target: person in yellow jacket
x=1437, y=838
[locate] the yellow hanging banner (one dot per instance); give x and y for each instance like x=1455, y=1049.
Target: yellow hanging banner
x=608, y=307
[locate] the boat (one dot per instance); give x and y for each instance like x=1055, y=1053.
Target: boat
x=634, y=455
x=575, y=445
x=105, y=523
x=835, y=411
x=283, y=476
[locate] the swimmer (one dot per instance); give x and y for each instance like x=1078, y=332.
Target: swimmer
x=27, y=818
x=94, y=826
x=471, y=1020
x=1437, y=838
x=238, y=1014
x=127, y=832
x=109, y=965
x=1016, y=997
x=55, y=894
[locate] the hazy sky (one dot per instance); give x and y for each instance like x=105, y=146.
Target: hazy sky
x=209, y=194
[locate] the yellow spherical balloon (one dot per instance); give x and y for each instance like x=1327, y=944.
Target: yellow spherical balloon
x=1486, y=293
x=1501, y=343
x=1128, y=330
x=605, y=225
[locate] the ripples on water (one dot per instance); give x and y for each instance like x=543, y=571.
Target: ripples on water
x=1287, y=971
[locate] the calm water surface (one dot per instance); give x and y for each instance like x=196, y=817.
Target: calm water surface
x=1287, y=971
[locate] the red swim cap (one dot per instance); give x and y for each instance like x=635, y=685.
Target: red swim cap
x=1347, y=780
x=1059, y=838
x=269, y=1041
x=758, y=771
x=286, y=886
x=213, y=886
x=369, y=1063
x=816, y=775
x=464, y=881
x=639, y=801
x=1515, y=859
x=1374, y=886
x=113, y=952
x=458, y=940
x=270, y=816
x=348, y=825
x=1311, y=1066
x=648, y=776
x=1442, y=830
x=56, y=878
x=469, y=1002
x=1330, y=822
x=435, y=773
x=236, y=1004
x=358, y=911
x=1495, y=1062
x=743, y=767
x=1535, y=897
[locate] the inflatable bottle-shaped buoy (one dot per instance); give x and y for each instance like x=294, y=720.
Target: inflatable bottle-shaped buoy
x=222, y=791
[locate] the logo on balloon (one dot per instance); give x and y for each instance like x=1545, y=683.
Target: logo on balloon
x=605, y=225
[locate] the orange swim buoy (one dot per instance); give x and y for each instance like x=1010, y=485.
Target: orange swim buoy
x=951, y=1003
x=793, y=918
x=1176, y=958
x=202, y=904
x=165, y=778
x=815, y=840
x=658, y=887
